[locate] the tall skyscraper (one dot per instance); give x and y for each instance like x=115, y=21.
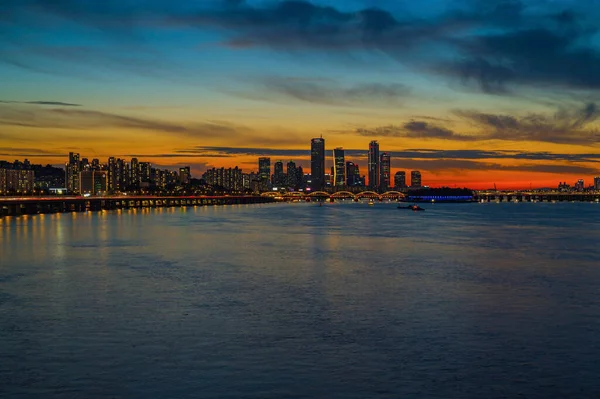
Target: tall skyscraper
x=339, y=168
x=317, y=163
x=400, y=180
x=278, y=174
x=373, y=165
x=385, y=171
x=415, y=179
x=72, y=169
x=292, y=178
x=264, y=173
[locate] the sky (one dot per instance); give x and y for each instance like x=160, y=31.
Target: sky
x=472, y=93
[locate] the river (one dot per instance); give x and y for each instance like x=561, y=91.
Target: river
x=300, y=301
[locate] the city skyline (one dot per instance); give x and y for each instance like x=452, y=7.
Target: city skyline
x=453, y=88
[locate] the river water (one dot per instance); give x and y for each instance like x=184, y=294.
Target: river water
x=301, y=301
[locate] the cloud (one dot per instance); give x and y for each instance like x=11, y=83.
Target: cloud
x=56, y=103
x=328, y=92
x=404, y=154
x=529, y=56
x=462, y=164
x=65, y=118
x=28, y=152
x=566, y=126
x=415, y=129
x=496, y=44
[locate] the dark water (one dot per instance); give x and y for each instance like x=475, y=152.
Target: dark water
x=300, y=301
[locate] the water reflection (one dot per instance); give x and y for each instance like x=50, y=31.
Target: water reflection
x=295, y=300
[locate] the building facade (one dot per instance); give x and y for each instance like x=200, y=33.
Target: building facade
x=373, y=165
x=16, y=181
x=385, y=171
x=317, y=163
x=415, y=179
x=264, y=173
x=339, y=168
x=400, y=180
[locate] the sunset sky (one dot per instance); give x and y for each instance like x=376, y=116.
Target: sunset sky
x=470, y=92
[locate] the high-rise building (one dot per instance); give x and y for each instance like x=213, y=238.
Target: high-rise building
x=339, y=168
x=597, y=183
x=373, y=165
x=292, y=177
x=185, y=175
x=351, y=173
x=400, y=180
x=579, y=186
x=278, y=174
x=112, y=173
x=18, y=181
x=72, y=169
x=415, y=179
x=135, y=172
x=317, y=163
x=231, y=179
x=264, y=173
x=385, y=171
x=145, y=172
x=93, y=182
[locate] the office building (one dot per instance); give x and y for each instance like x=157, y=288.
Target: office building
x=579, y=186
x=415, y=179
x=293, y=178
x=264, y=173
x=317, y=163
x=339, y=168
x=385, y=171
x=373, y=165
x=278, y=174
x=400, y=180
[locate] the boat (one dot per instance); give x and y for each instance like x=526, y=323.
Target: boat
x=371, y=203
x=411, y=207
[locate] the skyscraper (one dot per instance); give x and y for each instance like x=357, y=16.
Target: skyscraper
x=264, y=173
x=339, y=168
x=415, y=179
x=72, y=169
x=317, y=163
x=400, y=180
x=385, y=171
x=278, y=175
x=373, y=165
x=597, y=183
x=293, y=178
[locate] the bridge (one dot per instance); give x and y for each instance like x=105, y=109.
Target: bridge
x=536, y=196
x=15, y=206
x=323, y=195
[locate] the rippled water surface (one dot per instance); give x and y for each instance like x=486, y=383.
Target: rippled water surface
x=301, y=301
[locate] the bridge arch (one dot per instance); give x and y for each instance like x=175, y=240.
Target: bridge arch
x=343, y=194
x=319, y=194
x=393, y=194
x=367, y=194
